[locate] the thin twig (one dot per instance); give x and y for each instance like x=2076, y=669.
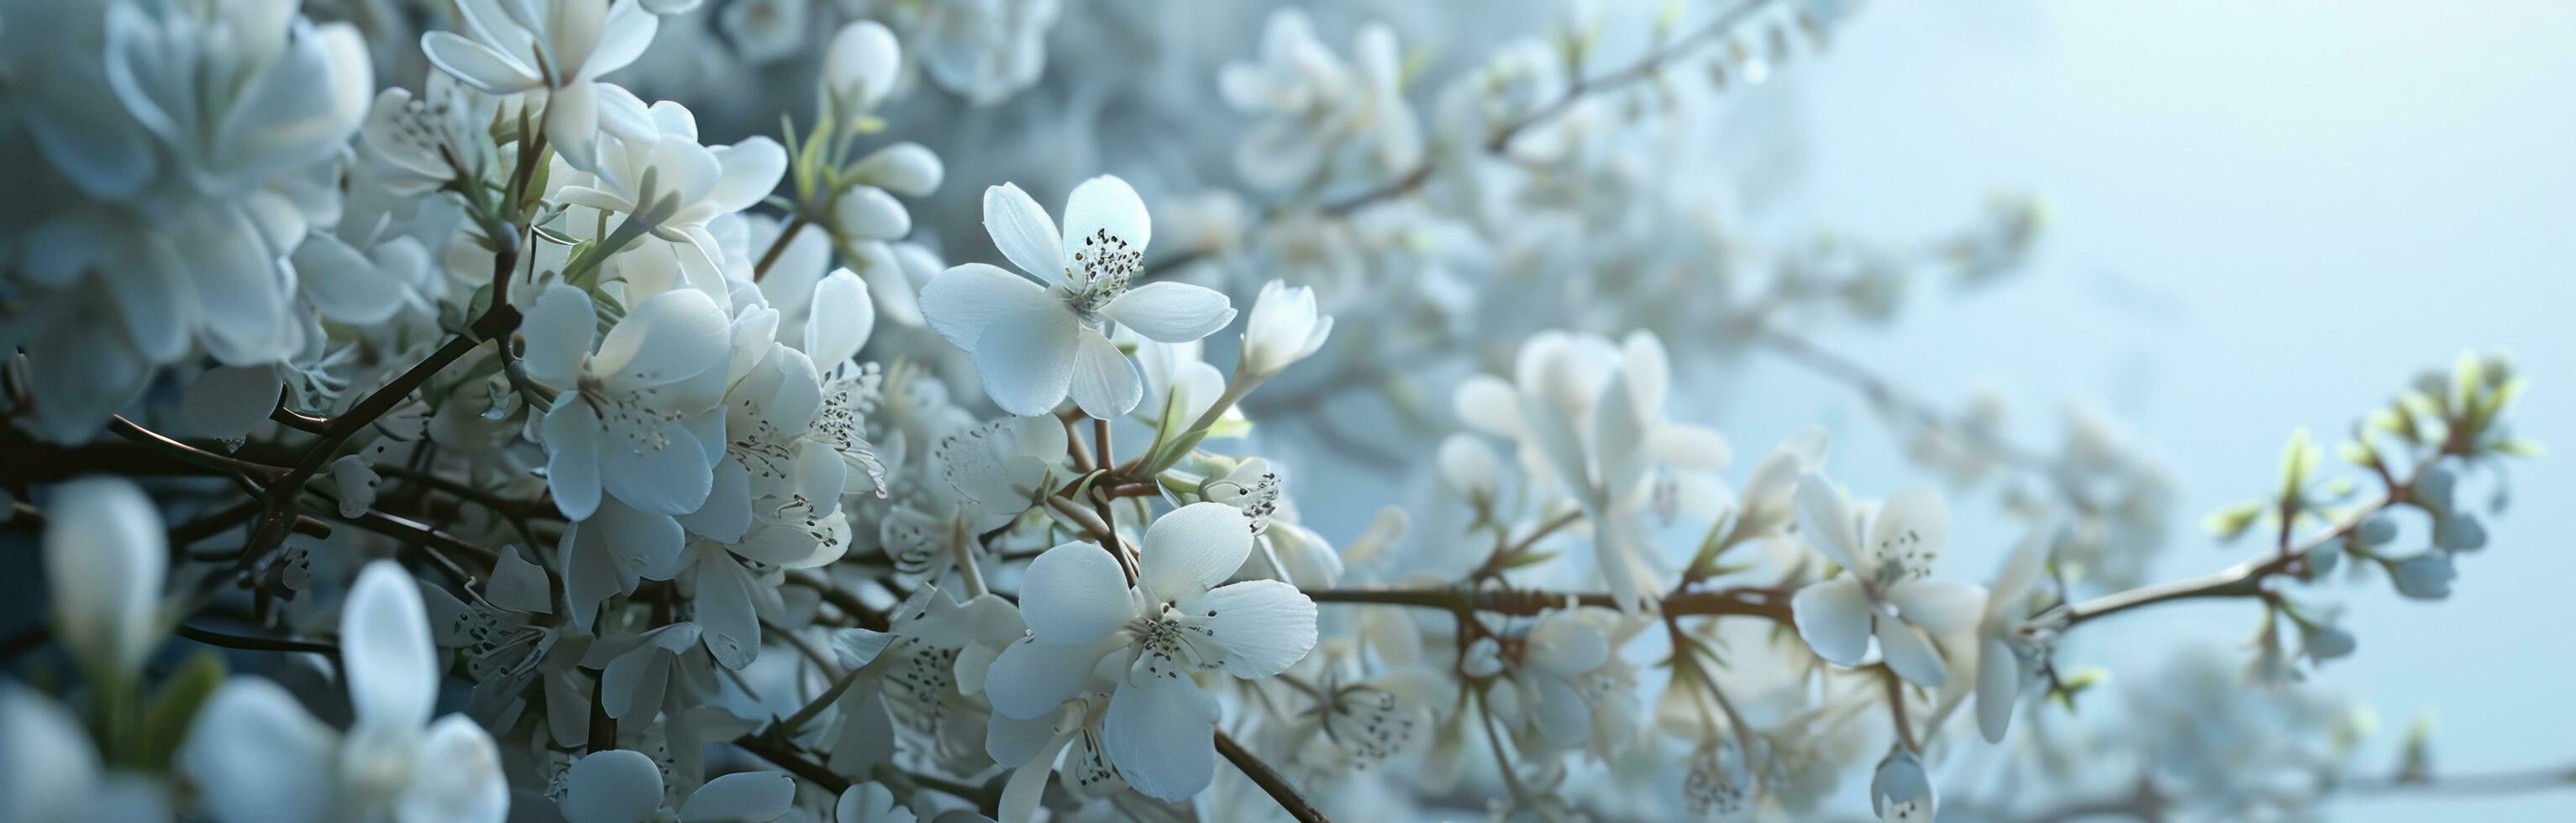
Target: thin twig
x=1268, y=779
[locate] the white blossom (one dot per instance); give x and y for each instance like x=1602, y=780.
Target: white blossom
x=1885, y=590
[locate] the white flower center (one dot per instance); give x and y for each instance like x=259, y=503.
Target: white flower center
x=629, y=414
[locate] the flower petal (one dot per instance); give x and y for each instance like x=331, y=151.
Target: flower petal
x=391, y=663
x=477, y=65
x=669, y=337
x=1106, y=206
x=1027, y=357
x=1023, y=231
x=1105, y=383
x=559, y=330
x=1909, y=531
x=724, y=599
x=963, y=301
x=1031, y=678
x=1161, y=733
x=1171, y=312
x=1910, y=654
x=1825, y=519
x=1191, y=549
x=745, y=796
x=105, y=558
x=456, y=775
x=253, y=753
x=1998, y=688
x=840, y=320
x=1074, y=595
x=1939, y=606
x=572, y=458
x=1263, y=626
x=1833, y=616
x=613, y=786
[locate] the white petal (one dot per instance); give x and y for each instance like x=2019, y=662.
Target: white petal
x=613, y=786
x=1564, y=645
x=669, y=337
x=519, y=584
x=254, y=755
x=1825, y=519
x=752, y=169
x=621, y=39
x=1486, y=403
x=1105, y=206
x=1998, y=688
x=1027, y=357
x=869, y=803
x=105, y=557
x=1023, y=231
x=1191, y=549
x=1910, y=654
x=456, y=775
x=2021, y=570
x=385, y=647
x=228, y=401
x=559, y=330
x=1105, y=383
x=727, y=513
x=1027, y=785
x=743, y=796
x=1939, y=606
x=730, y=624
x=476, y=64
x=1171, y=312
x=1030, y=678
x=1833, y=616
x=1646, y=369
x=1264, y=626
x=1690, y=448
x=1161, y=733
x=572, y=124
x=572, y=458
x=1074, y=595
x=670, y=477
x=1561, y=715
x=841, y=318
x=1909, y=530
x=963, y=301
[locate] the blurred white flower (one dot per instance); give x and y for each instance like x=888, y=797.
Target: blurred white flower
x=1155, y=635
x=869, y=802
x=1900, y=791
x=764, y=31
x=1035, y=343
x=2009, y=648
x=105, y=555
x=1317, y=108
x=984, y=50
x=255, y=754
x=558, y=47
x=50, y=773
x=1884, y=591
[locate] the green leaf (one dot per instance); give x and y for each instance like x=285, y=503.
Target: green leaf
x=174, y=708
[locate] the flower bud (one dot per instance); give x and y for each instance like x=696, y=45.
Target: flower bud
x=868, y=213
x=908, y=169
x=105, y=555
x=356, y=483
x=860, y=67
x=2459, y=532
x=2425, y=576
x=2326, y=642
x=1470, y=467
x=1284, y=329
x=1900, y=790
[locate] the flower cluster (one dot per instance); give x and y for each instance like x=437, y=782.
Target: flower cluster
x=499, y=420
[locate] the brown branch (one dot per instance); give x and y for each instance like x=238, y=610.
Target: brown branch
x=1268, y=779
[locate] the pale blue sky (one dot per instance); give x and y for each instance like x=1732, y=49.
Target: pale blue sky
x=2263, y=215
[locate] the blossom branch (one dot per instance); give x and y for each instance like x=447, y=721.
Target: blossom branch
x=1268, y=779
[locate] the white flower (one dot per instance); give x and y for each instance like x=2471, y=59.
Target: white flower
x=1156, y=635
x=625, y=786
x=560, y=47
x=859, y=67
x=663, y=183
x=355, y=481
x=1283, y=329
x=1551, y=683
x=254, y=754
x=1591, y=416
x=1317, y=107
x=50, y=772
x=985, y=50
x=2009, y=648
x=1885, y=592
x=105, y=555
x=1035, y=343
x=641, y=417
x=764, y=31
